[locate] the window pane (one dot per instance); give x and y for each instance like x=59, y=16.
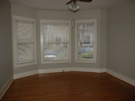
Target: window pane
x=85, y=41
x=55, y=51
x=89, y=26
x=85, y=52
x=56, y=32
x=56, y=41
x=25, y=53
x=24, y=31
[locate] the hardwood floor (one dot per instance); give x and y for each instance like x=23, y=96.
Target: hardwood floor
x=70, y=86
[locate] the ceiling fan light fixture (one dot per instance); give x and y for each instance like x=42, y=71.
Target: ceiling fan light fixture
x=74, y=7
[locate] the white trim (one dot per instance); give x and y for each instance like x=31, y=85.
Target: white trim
x=122, y=77
x=97, y=70
x=67, y=69
x=103, y=69
x=41, y=41
x=80, y=69
x=55, y=70
x=95, y=41
x=5, y=87
x=14, y=18
x=84, y=69
x=25, y=74
x=56, y=61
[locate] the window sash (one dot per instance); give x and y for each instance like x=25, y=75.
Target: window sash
x=24, y=40
x=27, y=55
x=56, y=39
x=82, y=44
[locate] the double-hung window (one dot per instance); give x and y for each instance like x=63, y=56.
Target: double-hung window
x=55, y=41
x=86, y=40
x=24, y=41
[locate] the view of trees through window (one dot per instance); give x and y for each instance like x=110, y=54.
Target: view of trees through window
x=85, y=41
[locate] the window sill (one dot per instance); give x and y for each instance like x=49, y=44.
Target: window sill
x=86, y=61
x=55, y=61
x=24, y=65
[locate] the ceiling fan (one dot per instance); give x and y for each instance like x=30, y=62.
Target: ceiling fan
x=74, y=7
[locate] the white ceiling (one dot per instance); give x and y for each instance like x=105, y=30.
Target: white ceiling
x=61, y=4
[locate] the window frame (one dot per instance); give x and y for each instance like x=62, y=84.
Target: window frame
x=41, y=41
x=95, y=41
x=14, y=41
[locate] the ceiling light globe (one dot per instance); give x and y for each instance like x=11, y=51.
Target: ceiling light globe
x=74, y=7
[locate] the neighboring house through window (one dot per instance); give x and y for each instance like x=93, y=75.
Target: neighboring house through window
x=59, y=39
x=57, y=47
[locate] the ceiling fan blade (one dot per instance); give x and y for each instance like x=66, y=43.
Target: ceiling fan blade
x=84, y=0
x=69, y=2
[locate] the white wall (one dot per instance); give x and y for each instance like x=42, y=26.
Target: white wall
x=100, y=15
x=6, y=68
x=52, y=15
x=116, y=37
x=22, y=11
x=121, y=39
x=25, y=12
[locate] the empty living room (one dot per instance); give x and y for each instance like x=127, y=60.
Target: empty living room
x=67, y=50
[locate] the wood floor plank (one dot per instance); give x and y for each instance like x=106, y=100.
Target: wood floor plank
x=70, y=86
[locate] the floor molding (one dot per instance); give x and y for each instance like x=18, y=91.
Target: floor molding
x=121, y=77
x=25, y=74
x=5, y=87
x=96, y=70
x=102, y=70
x=55, y=70
x=83, y=69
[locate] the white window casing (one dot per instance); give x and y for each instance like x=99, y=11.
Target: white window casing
x=58, y=47
x=24, y=41
x=86, y=40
